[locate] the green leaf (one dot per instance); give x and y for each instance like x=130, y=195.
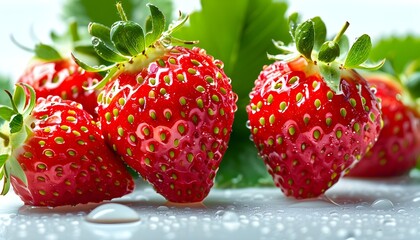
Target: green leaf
x=305, y=38
x=359, y=52
x=240, y=33
x=46, y=52
x=128, y=38
x=320, y=32
x=16, y=123
x=332, y=75
x=157, y=23
x=105, y=52
x=399, y=51
x=6, y=112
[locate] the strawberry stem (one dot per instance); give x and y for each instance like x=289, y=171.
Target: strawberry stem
x=341, y=32
x=121, y=12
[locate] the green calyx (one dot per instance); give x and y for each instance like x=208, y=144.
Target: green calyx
x=14, y=132
x=128, y=46
x=330, y=56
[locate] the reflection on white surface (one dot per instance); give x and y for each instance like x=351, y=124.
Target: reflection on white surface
x=352, y=209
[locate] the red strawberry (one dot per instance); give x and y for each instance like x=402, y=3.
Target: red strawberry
x=398, y=146
x=64, y=78
x=52, y=73
x=167, y=111
x=311, y=116
x=55, y=155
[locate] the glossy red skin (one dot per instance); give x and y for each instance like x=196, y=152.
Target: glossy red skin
x=92, y=174
x=301, y=165
x=398, y=146
x=63, y=78
x=166, y=165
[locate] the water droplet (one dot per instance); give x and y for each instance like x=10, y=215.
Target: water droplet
x=162, y=208
x=248, y=124
x=391, y=222
x=280, y=226
x=382, y=204
x=230, y=221
x=112, y=213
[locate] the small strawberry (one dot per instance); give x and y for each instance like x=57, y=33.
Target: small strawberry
x=312, y=117
x=52, y=73
x=398, y=146
x=53, y=154
x=166, y=110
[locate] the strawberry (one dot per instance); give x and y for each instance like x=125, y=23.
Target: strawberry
x=311, y=115
x=166, y=110
x=53, y=154
x=64, y=78
x=52, y=73
x=398, y=146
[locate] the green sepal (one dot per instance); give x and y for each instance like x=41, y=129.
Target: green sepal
x=6, y=179
x=305, y=38
x=3, y=159
x=128, y=37
x=16, y=123
x=87, y=67
x=371, y=66
x=332, y=75
x=109, y=75
x=17, y=170
x=100, y=31
x=320, y=32
x=46, y=52
x=344, y=44
x=105, y=52
x=6, y=113
x=329, y=51
x=19, y=99
x=157, y=22
x=283, y=57
x=359, y=52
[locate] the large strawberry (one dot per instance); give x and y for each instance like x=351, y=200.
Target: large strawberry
x=166, y=110
x=398, y=146
x=52, y=73
x=53, y=154
x=312, y=117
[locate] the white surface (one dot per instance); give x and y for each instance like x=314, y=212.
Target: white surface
x=352, y=209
